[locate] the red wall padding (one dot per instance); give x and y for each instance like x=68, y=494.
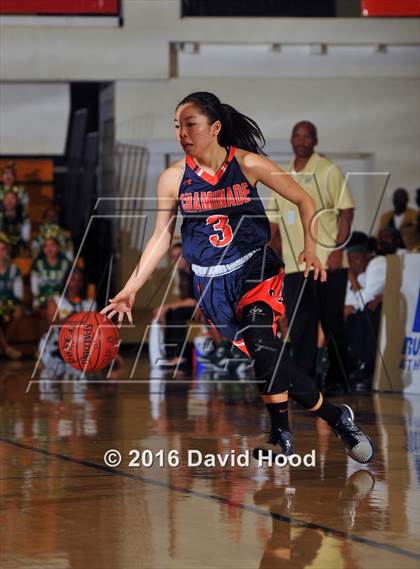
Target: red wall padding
x=59, y=7
x=390, y=7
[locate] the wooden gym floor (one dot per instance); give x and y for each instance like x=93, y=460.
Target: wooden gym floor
x=62, y=507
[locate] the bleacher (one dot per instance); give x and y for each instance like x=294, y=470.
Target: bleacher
x=37, y=176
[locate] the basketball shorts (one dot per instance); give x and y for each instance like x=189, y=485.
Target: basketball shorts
x=224, y=290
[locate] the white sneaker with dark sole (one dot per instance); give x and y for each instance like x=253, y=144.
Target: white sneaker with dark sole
x=357, y=445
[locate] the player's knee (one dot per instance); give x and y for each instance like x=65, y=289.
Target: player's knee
x=258, y=335
x=270, y=365
x=268, y=352
x=266, y=357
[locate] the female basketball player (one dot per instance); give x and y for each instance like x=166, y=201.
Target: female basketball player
x=238, y=279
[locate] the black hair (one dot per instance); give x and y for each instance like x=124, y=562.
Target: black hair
x=396, y=236
x=358, y=241
x=237, y=129
x=361, y=242
x=372, y=244
x=401, y=190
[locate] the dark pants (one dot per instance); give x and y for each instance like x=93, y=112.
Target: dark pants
x=176, y=330
x=362, y=329
x=322, y=302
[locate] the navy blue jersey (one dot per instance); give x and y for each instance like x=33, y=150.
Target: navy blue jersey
x=223, y=216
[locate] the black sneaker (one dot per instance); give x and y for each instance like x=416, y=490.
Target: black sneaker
x=357, y=444
x=278, y=442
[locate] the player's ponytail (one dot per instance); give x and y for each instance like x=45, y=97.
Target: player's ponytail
x=237, y=129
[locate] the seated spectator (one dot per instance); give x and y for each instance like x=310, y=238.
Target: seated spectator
x=170, y=321
x=366, y=275
x=50, y=218
x=363, y=303
x=11, y=295
x=7, y=184
x=215, y=356
x=403, y=219
x=59, y=309
x=390, y=242
x=47, y=273
x=15, y=224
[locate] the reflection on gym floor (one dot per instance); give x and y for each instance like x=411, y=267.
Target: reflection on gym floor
x=63, y=508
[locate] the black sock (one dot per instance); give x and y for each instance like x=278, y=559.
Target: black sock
x=279, y=415
x=329, y=412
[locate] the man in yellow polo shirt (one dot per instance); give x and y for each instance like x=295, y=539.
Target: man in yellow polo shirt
x=322, y=302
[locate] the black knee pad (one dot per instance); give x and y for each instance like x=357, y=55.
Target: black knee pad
x=266, y=350
x=257, y=331
x=272, y=359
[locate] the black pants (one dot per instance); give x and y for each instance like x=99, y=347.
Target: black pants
x=322, y=302
x=176, y=330
x=362, y=329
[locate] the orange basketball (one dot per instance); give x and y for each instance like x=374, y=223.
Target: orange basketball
x=88, y=341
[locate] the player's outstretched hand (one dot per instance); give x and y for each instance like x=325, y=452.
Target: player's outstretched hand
x=312, y=263
x=121, y=304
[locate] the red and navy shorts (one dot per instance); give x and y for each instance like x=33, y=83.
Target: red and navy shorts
x=222, y=298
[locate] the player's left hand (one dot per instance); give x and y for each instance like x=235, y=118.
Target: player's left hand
x=121, y=304
x=312, y=263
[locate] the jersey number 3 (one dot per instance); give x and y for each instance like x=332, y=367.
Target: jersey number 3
x=220, y=223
